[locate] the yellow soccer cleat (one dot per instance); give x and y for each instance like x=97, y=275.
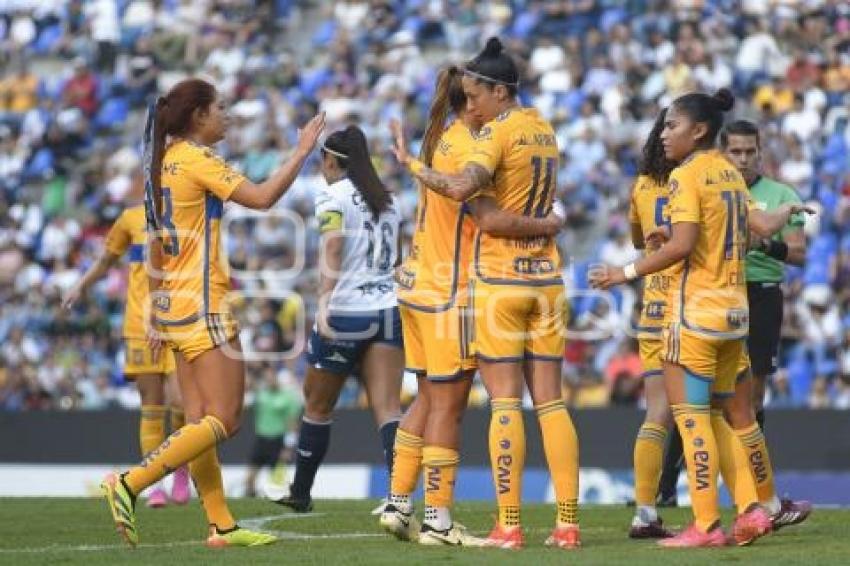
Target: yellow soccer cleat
x=122, y=505
x=238, y=537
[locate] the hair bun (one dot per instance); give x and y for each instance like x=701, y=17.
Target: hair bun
x=724, y=99
x=493, y=47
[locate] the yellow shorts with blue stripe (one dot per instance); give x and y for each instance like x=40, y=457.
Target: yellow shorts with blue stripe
x=650, y=355
x=719, y=360
x=194, y=338
x=518, y=322
x=437, y=344
x=140, y=359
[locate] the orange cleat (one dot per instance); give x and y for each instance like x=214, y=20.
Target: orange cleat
x=751, y=525
x=566, y=537
x=508, y=538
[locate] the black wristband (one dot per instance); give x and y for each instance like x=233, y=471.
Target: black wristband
x=777, y=250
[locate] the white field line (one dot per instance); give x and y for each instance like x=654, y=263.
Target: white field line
x=254, y=523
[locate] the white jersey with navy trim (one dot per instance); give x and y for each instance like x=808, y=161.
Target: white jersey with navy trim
x=370, y=251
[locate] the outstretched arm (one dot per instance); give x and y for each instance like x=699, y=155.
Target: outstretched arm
x=500, y=223
x=264, y=195
x=681, y=244
x=94, y=273
x=766, y=224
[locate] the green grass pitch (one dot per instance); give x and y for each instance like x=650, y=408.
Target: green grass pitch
x=79, y=531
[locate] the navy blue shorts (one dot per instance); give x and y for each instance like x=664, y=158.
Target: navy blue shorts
x=355, y=333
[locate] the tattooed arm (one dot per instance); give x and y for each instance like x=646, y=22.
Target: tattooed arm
x=459, y=186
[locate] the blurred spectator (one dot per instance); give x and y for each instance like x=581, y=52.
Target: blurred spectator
x=81, y=89
x=75, y=78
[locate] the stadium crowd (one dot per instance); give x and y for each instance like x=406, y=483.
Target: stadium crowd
x=77, y=75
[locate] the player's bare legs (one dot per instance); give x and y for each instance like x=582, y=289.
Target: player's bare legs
x=382, y=368
x=321, y=393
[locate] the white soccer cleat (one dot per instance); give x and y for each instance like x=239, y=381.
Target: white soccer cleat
x=381, y=507
x=401, y=525
x=456, y=535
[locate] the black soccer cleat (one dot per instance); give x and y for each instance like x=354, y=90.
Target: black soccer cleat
x=297, y=504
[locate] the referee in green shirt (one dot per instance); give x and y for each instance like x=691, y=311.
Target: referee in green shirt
x=765, y=262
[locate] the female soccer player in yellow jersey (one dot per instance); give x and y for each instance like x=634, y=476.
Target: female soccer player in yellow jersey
x=185, y=191
x=711, y=216
x=434, y=308
x=151, y=371
x=518, y=294
x=649, y=212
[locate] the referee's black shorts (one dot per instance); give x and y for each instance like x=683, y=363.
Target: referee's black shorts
x=766, y=304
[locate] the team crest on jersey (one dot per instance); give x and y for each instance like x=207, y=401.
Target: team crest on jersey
x=674, y=187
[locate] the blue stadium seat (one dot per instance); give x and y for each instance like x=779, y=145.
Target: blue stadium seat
x=800, y=378
x=324, y=33
x=40, y=165
x=47, y=39
x=113, y=112
x=816, y=272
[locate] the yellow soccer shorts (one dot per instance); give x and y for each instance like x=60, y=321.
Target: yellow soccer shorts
x=518, y=322
x=650, y=355
x=140, y=359
x=437, y=344
x=708, y=358
x=195, y=338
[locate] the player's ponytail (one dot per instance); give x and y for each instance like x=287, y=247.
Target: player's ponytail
x=448, y=96
x=351, y=150
x=171, y=116
x=707, y=109
x=654, y=163
x=494, y=67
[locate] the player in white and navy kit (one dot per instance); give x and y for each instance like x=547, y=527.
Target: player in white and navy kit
x=358, y=329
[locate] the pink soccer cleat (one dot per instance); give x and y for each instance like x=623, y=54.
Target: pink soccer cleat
x=751, y=525
x=508, y=538
x=180, y=492
x=157, y=498
x=692, y=537
x=566, y=537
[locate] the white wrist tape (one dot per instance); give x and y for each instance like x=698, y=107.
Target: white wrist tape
x=630, y=271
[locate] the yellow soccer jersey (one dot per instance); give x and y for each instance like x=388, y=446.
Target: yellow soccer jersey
x=520, y=151
x=434, y=276
x=195, y=183
x=710, y=295
x=650, y=209
x=128, y=236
